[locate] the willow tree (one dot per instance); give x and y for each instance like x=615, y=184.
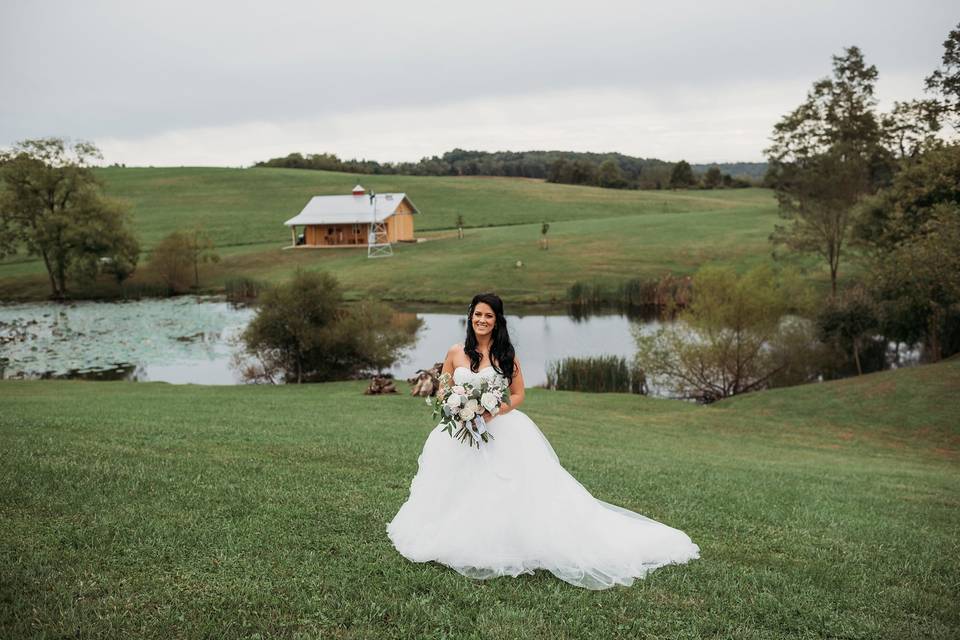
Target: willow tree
x=733, y=337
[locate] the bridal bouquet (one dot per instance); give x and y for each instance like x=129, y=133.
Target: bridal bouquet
x=460, y=406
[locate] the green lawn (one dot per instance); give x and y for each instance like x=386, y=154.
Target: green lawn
x=157, y=511
x=596, y=234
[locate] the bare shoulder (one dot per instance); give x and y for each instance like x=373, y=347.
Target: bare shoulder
x=455, y=353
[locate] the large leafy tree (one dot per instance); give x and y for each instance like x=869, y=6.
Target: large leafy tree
x=826, y=155
x=51, y=206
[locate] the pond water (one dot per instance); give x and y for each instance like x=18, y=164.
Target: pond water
x=180, y=340
x=193, y=340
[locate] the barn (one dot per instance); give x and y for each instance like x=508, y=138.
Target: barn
x=346, y=221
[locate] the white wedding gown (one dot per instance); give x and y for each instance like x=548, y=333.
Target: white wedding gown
x=511, y=508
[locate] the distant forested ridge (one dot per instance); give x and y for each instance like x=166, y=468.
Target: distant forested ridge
x=611, y=170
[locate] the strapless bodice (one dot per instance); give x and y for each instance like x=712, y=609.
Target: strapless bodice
x=463, y=374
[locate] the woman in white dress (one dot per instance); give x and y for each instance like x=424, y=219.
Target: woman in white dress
x=510, y=507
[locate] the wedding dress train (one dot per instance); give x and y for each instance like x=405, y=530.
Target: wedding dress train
x=511, y=508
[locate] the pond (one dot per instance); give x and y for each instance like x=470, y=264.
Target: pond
x=193, y=339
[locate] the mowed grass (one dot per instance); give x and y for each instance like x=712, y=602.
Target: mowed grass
x=157, y=511
x=596, y=234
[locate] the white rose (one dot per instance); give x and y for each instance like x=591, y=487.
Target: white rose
x=489, y=401
x=453, y=401
x=472, y=405
x=467, y=414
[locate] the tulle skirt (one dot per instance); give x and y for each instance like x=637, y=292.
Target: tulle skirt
x=511, y=508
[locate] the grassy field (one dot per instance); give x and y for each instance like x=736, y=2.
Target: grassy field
x=601, y=235
x=157, y=511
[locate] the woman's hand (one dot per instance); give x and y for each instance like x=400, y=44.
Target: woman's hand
x=487, y=416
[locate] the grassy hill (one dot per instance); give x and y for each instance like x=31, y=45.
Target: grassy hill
x=151, y=510
x=596, y=234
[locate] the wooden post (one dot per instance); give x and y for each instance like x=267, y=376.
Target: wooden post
x=293, y=234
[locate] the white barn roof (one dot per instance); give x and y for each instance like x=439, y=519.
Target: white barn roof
x=349, y=209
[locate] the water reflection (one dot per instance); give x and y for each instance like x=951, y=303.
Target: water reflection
x=538, y=340
x=193, y=340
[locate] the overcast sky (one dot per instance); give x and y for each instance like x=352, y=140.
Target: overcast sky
x=230, y=83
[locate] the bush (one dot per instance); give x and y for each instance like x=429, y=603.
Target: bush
x=171, y=261
x=733, y=338
x=303, y=332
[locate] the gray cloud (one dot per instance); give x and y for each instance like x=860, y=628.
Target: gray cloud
x=125, y=72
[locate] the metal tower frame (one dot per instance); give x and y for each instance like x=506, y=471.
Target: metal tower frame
x=378, y=243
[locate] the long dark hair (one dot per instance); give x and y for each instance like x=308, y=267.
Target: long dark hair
x=501, y=349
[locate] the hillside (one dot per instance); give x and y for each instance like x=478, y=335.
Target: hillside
x=148, y=509
x=595, y=234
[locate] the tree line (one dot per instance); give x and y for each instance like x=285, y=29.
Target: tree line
x=610, y=170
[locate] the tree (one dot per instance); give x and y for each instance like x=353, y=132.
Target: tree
x=712, y=178
x=172, y=260
x=818, y=199
x=122, y=260
x=826, y=156
x=583, y=172
x=904, y=209
x=610, y=176
x=51, y=205
x=202, y=250
x=849, y=320
x=682, y=176
x=917, y=284
x=838, y=111
x=732, y=338
x=911, y=127
x=560, y=171
x=303, y=332
x=945, y=82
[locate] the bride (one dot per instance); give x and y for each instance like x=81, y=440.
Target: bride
x=511, y=508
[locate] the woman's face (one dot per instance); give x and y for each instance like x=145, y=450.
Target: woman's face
x=483, y=319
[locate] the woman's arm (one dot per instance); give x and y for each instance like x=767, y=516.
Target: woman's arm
x=515, y=390
x=448, y=361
